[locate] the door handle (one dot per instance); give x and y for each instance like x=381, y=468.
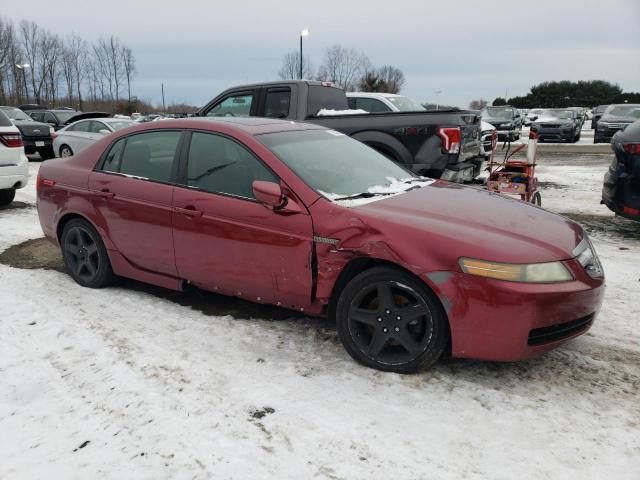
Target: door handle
x=105, y=193
x=189, y=211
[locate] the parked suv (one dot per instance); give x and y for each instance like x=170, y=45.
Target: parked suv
x=597, y=115
x=36, y=136
x=621, y=189
x=616, y=117
x=56, y=118
x=557, y=125
x=506, y=119
x=14, y=166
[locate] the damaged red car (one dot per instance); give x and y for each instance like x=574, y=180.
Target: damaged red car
x=307, y=218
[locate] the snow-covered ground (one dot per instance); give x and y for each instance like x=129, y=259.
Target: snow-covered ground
x=138, y=382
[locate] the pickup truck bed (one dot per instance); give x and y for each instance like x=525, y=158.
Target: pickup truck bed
x=438, y=143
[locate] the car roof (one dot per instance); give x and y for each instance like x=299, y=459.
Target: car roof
x=250, y=125
x=372, y=94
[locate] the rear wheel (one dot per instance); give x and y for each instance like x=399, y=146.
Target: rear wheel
x=84, y=254
x=7, y=196
x=65, y=151
x=389, y=320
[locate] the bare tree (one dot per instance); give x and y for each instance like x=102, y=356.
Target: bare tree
x=343, y=66
x=129, y=65
x=391, y=77
x=30, y=36
x=291, y=67
x=478, y=104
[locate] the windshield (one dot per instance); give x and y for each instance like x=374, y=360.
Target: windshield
x=64, y=116
x=15, y=113
x=121, y=124
x=558, y=114
x=499, y=113
x=404, y=104
x=334, y=164
x=623, y=111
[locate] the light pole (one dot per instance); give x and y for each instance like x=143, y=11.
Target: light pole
x=303, y=33
x=23, y=67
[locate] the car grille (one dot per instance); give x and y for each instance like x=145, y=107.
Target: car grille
x=539, y=336
x=550, y=125
x=34, y=130
x=616, y=126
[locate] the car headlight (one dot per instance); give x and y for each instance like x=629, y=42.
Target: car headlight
x=550, y=272
x=586, y=255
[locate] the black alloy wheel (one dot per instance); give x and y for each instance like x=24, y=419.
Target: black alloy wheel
x=84, y=254
x=389, y=320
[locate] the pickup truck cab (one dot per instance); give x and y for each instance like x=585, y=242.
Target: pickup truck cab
x=441, y=144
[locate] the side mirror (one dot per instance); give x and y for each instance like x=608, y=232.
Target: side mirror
x=270, y=194
x=104, y=131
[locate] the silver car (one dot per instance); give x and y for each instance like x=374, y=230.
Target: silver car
x=79, y=135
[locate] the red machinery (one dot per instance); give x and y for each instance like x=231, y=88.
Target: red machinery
x=516, y=177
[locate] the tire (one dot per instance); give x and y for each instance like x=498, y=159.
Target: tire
x=7, y=196
x=47, y=154
x=65, y=151
x=374, y=332
x=85, y=255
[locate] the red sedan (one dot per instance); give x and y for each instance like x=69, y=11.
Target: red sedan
x=307, y=218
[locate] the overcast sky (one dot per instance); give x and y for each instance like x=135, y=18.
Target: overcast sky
x=462, y=49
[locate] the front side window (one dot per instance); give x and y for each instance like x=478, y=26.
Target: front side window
x=49, y=118
x=95, y=127
x=218, y=164
x=149, y=155
x=112, y=160
x=277, y=103
x=233, y=106
x=37, y=116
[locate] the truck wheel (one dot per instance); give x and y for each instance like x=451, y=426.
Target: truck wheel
x=7, y=196
x=389, y=320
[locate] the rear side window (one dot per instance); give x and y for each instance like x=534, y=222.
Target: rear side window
x=79, y=127
x=49, y=118
x=146, y=155
x=37, y=116
x=371, y=105
x=277, y=103
x=320, y=97
x=4, y=120
x=218, y=164
x=233, y=106
x=95, y=127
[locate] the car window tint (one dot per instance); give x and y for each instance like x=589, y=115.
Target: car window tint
x=233, y=106
x=95, y=127
x=49, y=118
x=372, y=105
x=37, y=116
x=4, y=120
x=277, y=103
x=112, y=160
x=220, y=165
x=79, y=127
x=150, y=155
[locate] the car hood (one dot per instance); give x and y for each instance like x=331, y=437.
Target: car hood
x=616, y=119
x=473, y=222
x=561, y=121
x=495, y=121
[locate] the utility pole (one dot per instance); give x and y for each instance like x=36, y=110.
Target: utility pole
x=303, y=33
x=163, y=106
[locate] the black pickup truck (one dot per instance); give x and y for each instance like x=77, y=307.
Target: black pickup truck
x=441, y=143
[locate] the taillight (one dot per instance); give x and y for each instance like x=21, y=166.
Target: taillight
x=11, y=139
x=451, y=137
x=38, y=183
x=632, y=148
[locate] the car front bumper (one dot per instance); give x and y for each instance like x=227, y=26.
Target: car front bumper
x=508, y=321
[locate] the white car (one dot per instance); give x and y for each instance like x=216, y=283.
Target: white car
x=79, y=135
x=14, y=165
x=382, y=102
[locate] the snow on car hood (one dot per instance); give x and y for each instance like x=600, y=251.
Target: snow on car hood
x=395, y=187
x=485, y=126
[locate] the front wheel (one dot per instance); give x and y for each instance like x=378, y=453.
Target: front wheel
x=84, y=254
x=389, y=320
x=7, y=196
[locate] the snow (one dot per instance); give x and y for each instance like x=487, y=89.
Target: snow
x=169, y=385
x=326, y=112
x=393, y=188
